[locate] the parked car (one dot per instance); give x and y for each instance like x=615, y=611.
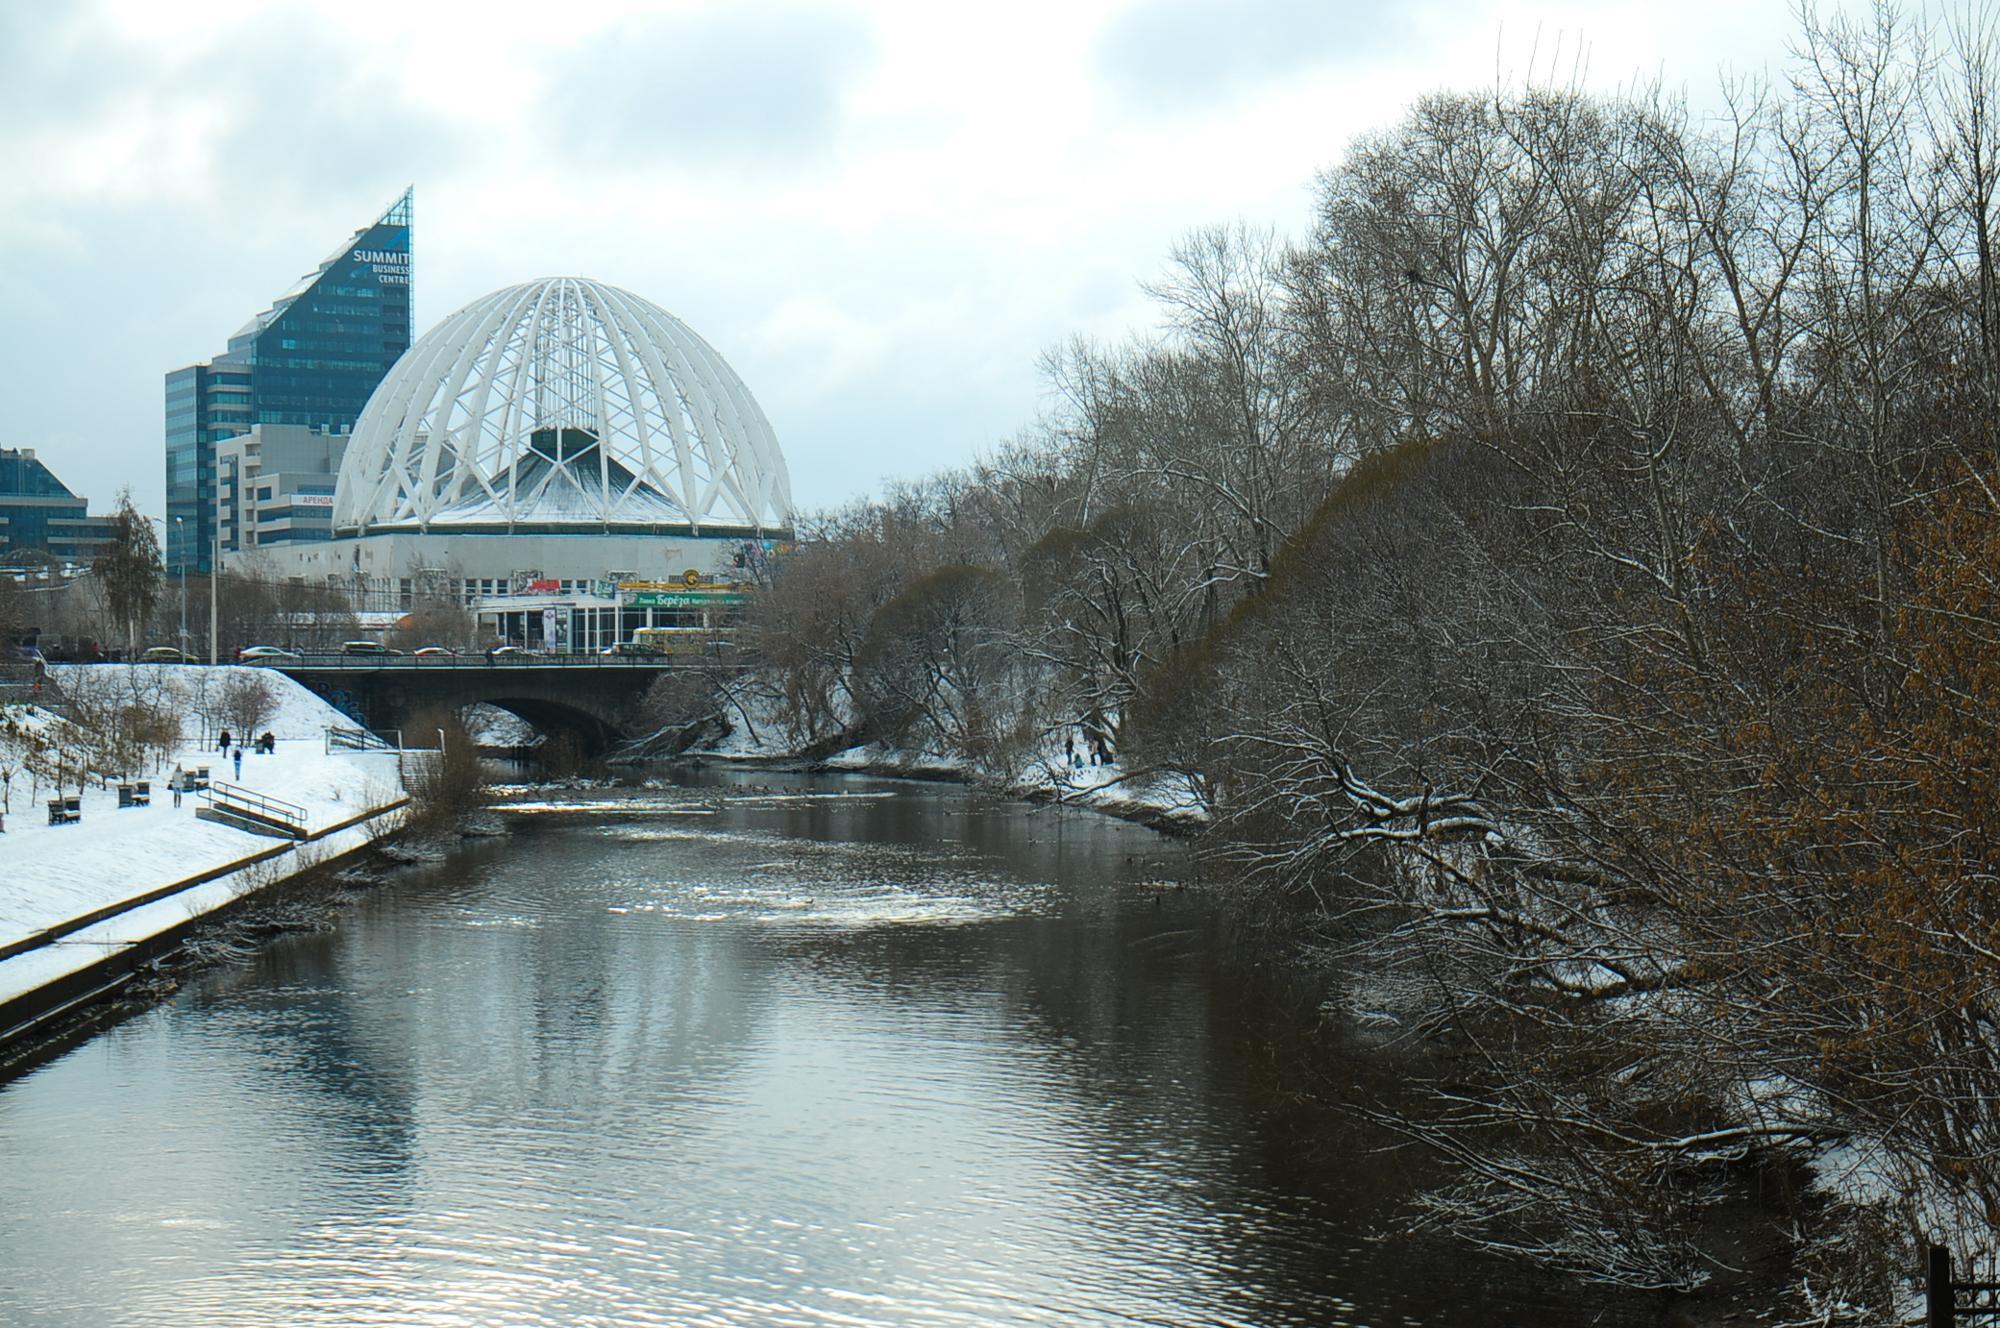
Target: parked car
x=72, y=650
x=505, y=652
x=434, y=651
x=634, y=649
x=266, y=654
x=169, y=655
x=366, y=648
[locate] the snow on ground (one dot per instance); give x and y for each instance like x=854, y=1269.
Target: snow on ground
x=1152, y=797
x=878, y=759
x=37, y=968
x=763, y=738
x=51, y=873
x=1059, y=772
x=491, y=726
x=1064, y=771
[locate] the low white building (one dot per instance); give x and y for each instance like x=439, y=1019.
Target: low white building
x=400, y=564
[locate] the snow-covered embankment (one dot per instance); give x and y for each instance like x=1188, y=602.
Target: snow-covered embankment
x=1062, y=769
x=81, y=902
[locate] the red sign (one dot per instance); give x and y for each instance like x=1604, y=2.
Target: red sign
x=544, y=587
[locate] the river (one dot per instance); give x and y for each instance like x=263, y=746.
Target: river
x=746, y=1049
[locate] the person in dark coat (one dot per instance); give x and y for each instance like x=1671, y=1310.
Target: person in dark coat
x=222, y=743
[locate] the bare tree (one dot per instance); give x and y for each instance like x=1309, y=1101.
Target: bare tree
x=935, y=666
x=15, y=619
x=1569, y=571
x=245, y=701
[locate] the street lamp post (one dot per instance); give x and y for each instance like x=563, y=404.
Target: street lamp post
x=214, y=581
x=181, y=543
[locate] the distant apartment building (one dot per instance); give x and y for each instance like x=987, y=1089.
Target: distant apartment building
x=39, y=514
x=274, y=486
x=310, y=360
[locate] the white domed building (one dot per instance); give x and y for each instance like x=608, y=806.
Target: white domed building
x=557, y=437
x=562, y=406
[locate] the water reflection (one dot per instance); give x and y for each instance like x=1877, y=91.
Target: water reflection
x=734, y=1052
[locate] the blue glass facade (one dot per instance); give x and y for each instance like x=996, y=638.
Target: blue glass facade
x=311, y=359
x=39, y=513
x=205, y=402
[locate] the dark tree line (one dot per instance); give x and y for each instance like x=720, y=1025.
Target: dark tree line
x=1573, y=572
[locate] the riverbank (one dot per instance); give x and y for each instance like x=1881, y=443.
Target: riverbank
x=715, y=1038
x=83, y=904
x=1059, y=773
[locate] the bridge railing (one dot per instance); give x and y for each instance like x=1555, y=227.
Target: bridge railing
x=372, y=663
x=25, y=694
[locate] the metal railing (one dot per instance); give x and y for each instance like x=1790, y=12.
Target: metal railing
x=523, y=660
x=19, y=685
x=257, y=806
x=1942, y=1291
x=27, y=694
x=340, y=739
x=475, y=660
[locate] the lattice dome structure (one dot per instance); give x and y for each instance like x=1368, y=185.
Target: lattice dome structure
x=562, y=404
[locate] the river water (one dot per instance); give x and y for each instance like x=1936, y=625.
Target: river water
x=748, y=1049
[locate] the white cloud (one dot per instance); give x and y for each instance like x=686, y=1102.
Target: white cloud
x=880, y=212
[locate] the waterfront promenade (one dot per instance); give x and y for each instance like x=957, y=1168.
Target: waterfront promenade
x=75, y=898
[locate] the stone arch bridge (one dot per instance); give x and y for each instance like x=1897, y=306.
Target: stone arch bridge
x=588, y=696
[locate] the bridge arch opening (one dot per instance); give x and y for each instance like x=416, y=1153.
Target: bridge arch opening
x=585, y=703
x=558, y=722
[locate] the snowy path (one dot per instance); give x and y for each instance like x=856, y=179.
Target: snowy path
x=50, y=874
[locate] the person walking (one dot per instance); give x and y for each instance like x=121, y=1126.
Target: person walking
x=238, y=756
x=174, y=783
x=222, y=743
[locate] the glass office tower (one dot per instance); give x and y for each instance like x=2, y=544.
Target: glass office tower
x=311, y=359
x=38, y=512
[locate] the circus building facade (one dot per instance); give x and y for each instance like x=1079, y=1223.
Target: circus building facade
x=558, y=439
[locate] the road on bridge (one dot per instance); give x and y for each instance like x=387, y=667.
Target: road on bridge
x=360, y=663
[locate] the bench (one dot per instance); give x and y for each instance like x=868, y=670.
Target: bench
x=195, y=779
x=138, y=794
x=65, y=811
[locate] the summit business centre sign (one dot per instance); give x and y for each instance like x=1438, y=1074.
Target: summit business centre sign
x=390, y=266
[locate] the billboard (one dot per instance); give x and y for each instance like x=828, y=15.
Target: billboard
x=684, y=599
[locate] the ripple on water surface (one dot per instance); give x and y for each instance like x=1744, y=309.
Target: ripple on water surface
x=772, y=877
x=707, y=1058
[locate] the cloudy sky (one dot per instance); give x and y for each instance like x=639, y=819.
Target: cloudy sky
x=880, y=213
